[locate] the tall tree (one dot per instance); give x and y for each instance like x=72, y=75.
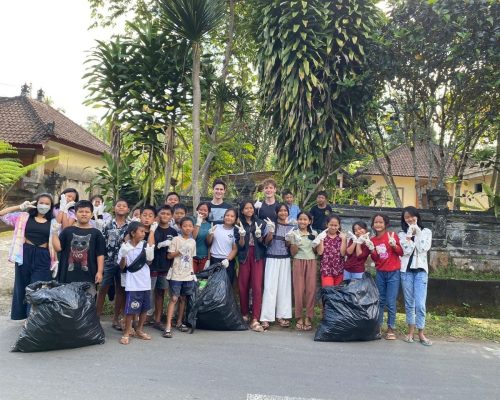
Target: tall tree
x=192, y=20
x=311, y=61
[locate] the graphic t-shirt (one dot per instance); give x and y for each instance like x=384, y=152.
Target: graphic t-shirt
x=182, y=267
x=161, y=263
x=223, y=241
x=139, y=280
x=319, y=217
x=217, y=212
x=113, y=235
x=79, y=251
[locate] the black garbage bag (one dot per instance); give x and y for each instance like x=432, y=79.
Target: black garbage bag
x=350, y=311
x=62, y=316
x=212, y=306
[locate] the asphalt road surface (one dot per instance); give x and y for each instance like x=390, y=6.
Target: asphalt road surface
x=279, y=364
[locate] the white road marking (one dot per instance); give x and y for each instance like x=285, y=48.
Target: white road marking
x=273, y=397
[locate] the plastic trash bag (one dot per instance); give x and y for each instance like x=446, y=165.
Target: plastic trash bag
x=350, y=312
x=62, y=316
x=212, y=306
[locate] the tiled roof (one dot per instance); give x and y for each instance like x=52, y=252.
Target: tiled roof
x=402, y=165
x=25, y=121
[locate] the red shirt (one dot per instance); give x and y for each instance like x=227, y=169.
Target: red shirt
x=385, y=257
x=354, y=263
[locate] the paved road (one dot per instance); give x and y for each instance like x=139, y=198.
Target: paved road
x=279, y=364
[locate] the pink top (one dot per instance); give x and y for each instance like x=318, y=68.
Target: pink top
x=332, y=262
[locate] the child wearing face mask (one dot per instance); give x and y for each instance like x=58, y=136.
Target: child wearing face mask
x=31, y=250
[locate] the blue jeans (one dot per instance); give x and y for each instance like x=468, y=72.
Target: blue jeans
x=388, y=288
x=352, y=275
x=415, y=293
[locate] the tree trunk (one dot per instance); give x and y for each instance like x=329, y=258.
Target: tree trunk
x=196, y=124
x=169, y=154
x=152, y=178
x=205, y=172
x=495, y=178
x=115, y=142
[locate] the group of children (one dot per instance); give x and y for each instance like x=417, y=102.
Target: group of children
x=265, y=245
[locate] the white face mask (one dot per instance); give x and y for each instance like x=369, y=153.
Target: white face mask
x=42, y=208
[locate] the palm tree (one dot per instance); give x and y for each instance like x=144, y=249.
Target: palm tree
x=192, y=20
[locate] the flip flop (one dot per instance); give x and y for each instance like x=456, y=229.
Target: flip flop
x=408, y=339
x=182, y=328
x=299, y=327
x=390, y=336
x=117, y=327
x=167, y=333
x=425, y=342
x=308, y=327
x=142, y=335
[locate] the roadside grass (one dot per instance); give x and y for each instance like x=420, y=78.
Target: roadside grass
x=451, y=272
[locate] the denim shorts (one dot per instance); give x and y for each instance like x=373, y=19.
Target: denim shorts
x=137, y=302
x=111, y=272
x=159, y=282
x=181, y=288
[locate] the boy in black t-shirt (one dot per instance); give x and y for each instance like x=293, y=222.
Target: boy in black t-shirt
x=320, y=212
x=267, y=209
x=81, y=248
x=161, y=237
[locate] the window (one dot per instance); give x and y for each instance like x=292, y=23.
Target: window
x=478, y=188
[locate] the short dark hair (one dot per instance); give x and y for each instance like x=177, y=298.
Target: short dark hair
x=279, y=206
x=361, y=224
x=383, y=216
x=184, y=219
x=286, y=192
x=181, y=207
x=204, y=203
x=334, y=216
x=148, y=207
x=322, y=193
x=84, y=204
x=97, y=196
x=122, y=200
x=133, y=226
x=219, y=182
x=172, y=194
x=165, y=207
x=242, y=206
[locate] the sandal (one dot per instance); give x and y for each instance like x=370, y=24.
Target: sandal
x=408, y=339
x=116, y=326
x=182, y=328
x=159, y=326
x=308, y=327
x=425, y=342
x=142, y=335
x=256, y=327
x=125, y=340
x=167, y=333
x=390, y=336
x=284, y=323
x=265, y=325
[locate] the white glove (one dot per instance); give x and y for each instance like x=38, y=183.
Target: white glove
x=352, y=236
x=98, y=210
x=225, y=263
x=67, y=206
x=241, y=229
x=124, y=250
x=62, y=202
x=258, y=231
x=26, y=205
x=392, y=241
x=413, y=230
x=153, y=227
x=207, y=264
x=55, y=226
x=150, y=253
x=135, y=219
x=319, y=238
x=212, y=229
x=257, y=204
x=99, y=224
x=270, y=225
x=54, y=268
x=165, y=243
x=199, y=219
x=369, y=244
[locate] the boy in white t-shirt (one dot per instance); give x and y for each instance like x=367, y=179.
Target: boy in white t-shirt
x=134, y=257
x=181, y=274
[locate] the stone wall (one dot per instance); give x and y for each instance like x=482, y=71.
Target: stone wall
x=462, y=239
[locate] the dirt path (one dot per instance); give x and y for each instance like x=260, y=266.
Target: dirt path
x=6, y=273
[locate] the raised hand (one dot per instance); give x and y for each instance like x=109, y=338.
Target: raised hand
x=319, y=238
x=271, y=227
x=26, y=205
x=258, y=231
x=342, y=236
x=153, y=227
x=212, y=229
x=352, y=236
x=257, y=204
x=241, y=229
x=392, y=241
x=62, y=202
x=369, y=244
x=150, y=252
x=199, y=219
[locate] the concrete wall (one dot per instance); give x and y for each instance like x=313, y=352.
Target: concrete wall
x=467, y=240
